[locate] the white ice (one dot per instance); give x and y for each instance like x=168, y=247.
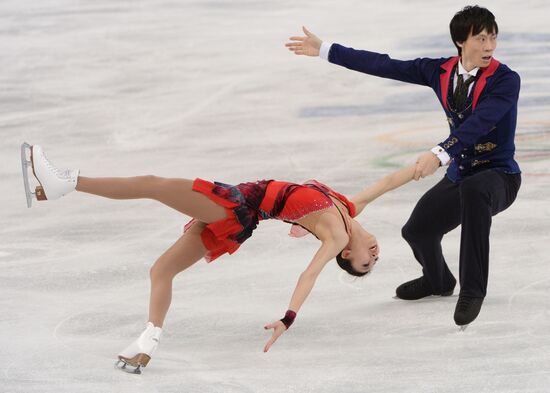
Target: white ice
x=207, y=89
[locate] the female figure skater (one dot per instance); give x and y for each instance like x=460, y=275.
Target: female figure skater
x=224, y=216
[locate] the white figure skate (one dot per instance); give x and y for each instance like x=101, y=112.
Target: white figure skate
x=54, y=183
x=140, y=351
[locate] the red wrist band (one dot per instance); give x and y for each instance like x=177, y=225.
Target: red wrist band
x=289, y=318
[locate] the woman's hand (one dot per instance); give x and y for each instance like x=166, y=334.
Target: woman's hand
x=308, y=45
x=278, y=329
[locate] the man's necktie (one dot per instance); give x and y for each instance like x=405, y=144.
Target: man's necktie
x=461, y=92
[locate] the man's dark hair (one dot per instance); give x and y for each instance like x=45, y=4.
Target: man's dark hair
x=346, y=265
x=471, y=19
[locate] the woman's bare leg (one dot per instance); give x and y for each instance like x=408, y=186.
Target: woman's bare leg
x=176, y=193
x=182, y=254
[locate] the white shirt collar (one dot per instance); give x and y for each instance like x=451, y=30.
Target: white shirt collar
x=462, y=70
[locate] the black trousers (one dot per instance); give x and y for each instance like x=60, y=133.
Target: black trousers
x=472, y=203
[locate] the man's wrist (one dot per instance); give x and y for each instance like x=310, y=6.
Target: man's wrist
x=324, y=50
x=443, y=156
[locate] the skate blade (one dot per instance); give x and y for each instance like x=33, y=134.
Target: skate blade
x=25, y=164
x=138, y=361
x=127, y=368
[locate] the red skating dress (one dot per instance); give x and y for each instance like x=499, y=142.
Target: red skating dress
x=248, y=203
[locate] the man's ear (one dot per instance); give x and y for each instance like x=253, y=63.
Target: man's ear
x=460, y=44
x=346, y=253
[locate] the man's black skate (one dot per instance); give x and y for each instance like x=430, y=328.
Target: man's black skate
x=467, y=309
x=420, y=288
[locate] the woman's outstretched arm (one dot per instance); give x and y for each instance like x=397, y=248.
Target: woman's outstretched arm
x=334, y=239
x=387, y=183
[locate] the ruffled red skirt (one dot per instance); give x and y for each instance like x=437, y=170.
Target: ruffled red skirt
x=241, y=204
x=248, y=203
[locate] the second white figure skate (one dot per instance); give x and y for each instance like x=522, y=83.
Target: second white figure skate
x=138, y=353
x=53, y=182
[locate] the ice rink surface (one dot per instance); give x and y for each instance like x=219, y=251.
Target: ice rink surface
x=207, y=89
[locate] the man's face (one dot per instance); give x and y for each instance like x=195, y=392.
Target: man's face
x=477, y=50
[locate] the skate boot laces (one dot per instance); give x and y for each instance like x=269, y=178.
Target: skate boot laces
x=64, y=174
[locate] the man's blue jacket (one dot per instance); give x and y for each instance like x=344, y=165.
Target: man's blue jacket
x=481, y=137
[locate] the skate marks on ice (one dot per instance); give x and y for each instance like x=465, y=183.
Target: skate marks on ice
x=531, y=303
x=61, y=366
x=433, y=320
x=97, y=336
x=132, y=135
x=14, y=253
x=479, y=330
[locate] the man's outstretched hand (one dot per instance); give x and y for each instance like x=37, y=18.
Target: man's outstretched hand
x=307, y=46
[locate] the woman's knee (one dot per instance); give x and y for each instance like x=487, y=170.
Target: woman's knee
x=160, y=271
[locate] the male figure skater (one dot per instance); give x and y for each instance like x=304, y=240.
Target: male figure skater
x=479, y=96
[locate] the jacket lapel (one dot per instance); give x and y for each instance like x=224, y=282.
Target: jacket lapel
x=480, y=84
x=445, y=77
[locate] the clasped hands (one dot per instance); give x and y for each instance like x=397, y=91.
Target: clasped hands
x=426, y=165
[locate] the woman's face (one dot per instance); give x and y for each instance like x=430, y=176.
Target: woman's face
x=362, y=252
